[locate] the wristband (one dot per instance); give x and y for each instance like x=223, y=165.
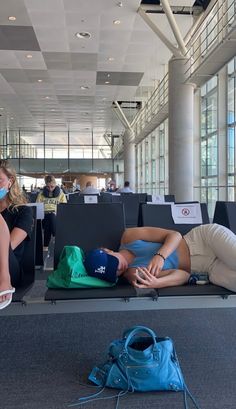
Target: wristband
x=159, y=254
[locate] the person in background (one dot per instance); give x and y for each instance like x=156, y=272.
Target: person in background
x=76, y=185
x=63, y=188
x=151, y=257
x=16, y=224
x=125, y=189
x=89, y=189
x=111, y=187
x=51, y=196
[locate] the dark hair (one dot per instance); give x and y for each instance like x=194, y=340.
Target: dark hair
x=126, y=183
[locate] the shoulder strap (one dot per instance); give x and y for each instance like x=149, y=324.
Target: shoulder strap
x=187, y=394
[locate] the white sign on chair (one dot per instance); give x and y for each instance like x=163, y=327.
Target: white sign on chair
x=186, y=213
x=90, y=199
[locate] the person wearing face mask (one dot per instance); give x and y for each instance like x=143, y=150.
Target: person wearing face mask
x=16, y=223
x=51, y=196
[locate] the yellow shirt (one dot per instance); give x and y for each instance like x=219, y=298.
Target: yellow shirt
x=50, y=203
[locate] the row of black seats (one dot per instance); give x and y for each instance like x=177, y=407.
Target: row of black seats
x=131, y=201
x=105, y=197
x=102, y=225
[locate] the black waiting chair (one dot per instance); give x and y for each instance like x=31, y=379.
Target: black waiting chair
x=79, y=198
x=225, y=214
x=88, y=227
x=168, y=198
x=160, y=216
x=131, y=203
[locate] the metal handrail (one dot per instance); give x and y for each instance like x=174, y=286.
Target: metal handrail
x=203, y=40
x=224, y=17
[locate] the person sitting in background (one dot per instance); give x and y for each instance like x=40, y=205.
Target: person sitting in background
x=63, y=188
x=111, y=187
x=151, y=257
x=89, y=189
x=76, y=185
x=51, y=196
x=16, y=224
x=125, y=189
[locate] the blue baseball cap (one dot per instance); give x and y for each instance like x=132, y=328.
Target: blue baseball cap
x=101, y=265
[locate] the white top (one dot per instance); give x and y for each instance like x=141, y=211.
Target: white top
x=125, y=190
x=90, y=190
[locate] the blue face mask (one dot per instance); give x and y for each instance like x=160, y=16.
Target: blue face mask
x=3, y=192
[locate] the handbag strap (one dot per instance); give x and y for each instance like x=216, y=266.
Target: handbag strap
x=134, y=331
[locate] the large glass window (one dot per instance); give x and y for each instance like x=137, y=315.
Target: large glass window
x=231, y=134
x=151, y=174
x=24, y=144
x=209, y=144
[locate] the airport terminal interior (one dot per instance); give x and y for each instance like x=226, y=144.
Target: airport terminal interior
x=129, y=107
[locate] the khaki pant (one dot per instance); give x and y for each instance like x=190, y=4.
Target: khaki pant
x=213, y=250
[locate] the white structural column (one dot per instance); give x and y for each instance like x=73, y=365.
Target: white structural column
x=129, y=157
x=181, y=121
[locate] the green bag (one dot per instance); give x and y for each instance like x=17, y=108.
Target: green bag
x=71, y=273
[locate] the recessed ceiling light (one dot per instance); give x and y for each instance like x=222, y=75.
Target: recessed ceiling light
x=108, y=75
x=120, y=4
x=107, y=82
x=12, y=18
x=84, y=87
x=53, y=110
x=111, y=59
x=47, y=97
x=40, y=80
x=29, y=56
x=116, y=22
x=12, y=117
x=1, y=108
x=83, y=34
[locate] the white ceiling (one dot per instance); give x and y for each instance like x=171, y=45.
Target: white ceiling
x=46, y=29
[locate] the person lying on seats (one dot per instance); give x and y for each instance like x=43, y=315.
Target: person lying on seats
x=151, y=257
x=51, y=196
x=16, y=223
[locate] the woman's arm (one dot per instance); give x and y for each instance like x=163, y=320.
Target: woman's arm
x=167, y=278
x=170, y=240
x=16, y=237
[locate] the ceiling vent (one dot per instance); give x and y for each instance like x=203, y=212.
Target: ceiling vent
x=130, y=104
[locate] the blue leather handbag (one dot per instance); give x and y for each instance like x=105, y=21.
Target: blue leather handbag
x=142, y=362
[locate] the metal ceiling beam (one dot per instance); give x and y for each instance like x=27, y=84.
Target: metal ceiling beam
x=174, y=26
x=158, y=32
x=122, y=116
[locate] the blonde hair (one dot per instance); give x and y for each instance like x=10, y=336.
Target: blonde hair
x=14, y=197
x=50, y=179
